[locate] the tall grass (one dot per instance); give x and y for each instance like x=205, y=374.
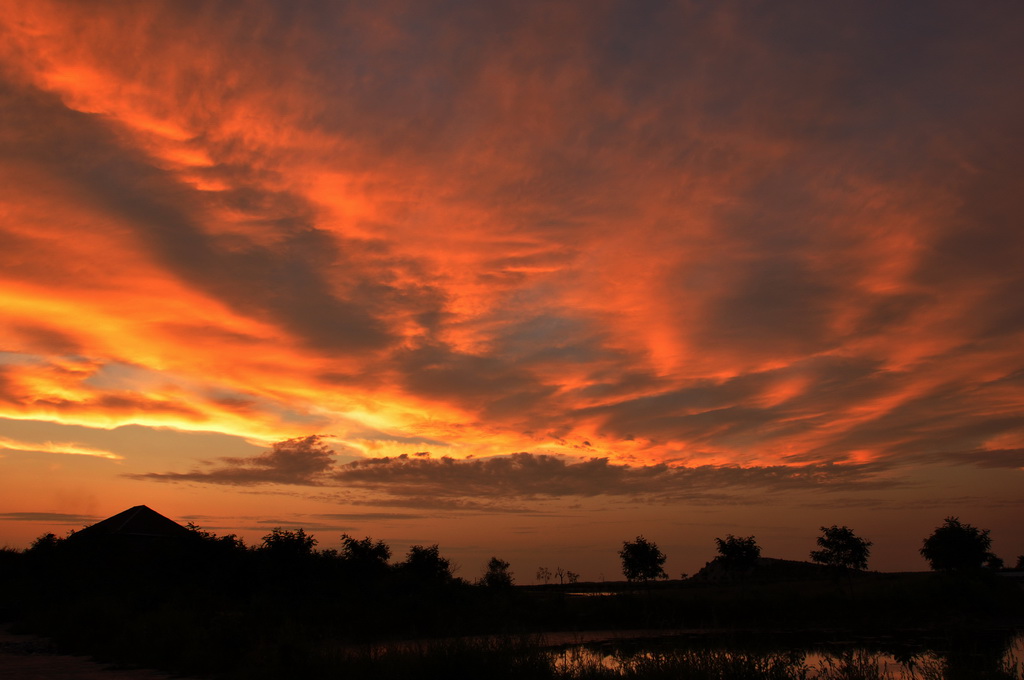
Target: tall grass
x=713, y=665
x=526, y=658
x=729, y=665
x=489, y=658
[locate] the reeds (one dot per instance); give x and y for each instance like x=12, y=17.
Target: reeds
x=526, y=658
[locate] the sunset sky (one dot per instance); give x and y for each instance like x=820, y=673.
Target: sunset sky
x=522, y=279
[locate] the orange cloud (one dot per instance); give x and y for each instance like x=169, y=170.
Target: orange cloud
x=615, y=230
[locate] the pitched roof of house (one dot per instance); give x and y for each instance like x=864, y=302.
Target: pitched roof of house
x=137, y=521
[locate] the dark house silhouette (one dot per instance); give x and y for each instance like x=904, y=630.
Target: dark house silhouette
x=134, y=554
x=140, y=524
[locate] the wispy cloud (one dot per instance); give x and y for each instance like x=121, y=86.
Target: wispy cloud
x=62, y=448
x=49, y=517
x=985, y=458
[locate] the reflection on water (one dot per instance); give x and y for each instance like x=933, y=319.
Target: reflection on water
x=964, y=656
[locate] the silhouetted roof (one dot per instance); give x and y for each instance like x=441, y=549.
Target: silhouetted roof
x=138, y=521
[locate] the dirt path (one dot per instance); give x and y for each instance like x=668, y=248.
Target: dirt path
x=27, y=657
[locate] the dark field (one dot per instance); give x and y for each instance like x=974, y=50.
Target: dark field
x=218, y=610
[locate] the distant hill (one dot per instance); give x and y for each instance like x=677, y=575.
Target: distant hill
x=763, y=569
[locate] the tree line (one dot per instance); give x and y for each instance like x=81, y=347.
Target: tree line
x=360, y=559
x=208, y=604
x=952, y=547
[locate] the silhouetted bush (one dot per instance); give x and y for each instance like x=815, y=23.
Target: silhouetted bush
x=738, y=553
x=364, y=559
x=841, y=548
x=642, y=560
x=425, y=566
x=497, y=575
x=957, y=547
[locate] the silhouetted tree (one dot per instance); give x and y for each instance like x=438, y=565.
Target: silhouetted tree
x=426, y=565
x=45, y=544
x=497, y=574
x=544, y=574
x=840, y=547
x=365, y=558
x=218, y=548
x=1020, y=562
x=955, y=546
x=288, y=543
x=227, y=540
x=199, y=532
x=572, y=576
x=642, y=560
x=738, y=552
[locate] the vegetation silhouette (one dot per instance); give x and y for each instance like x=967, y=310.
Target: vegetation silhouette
x=642, y=560
x=955, y=546
x=841, y=548
x=193, y=602
x=738, y=553
x=498, y=575
x=364, y=559
x=543, y=574
x=563, y=575
x=287, y=544
x=425, y=566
